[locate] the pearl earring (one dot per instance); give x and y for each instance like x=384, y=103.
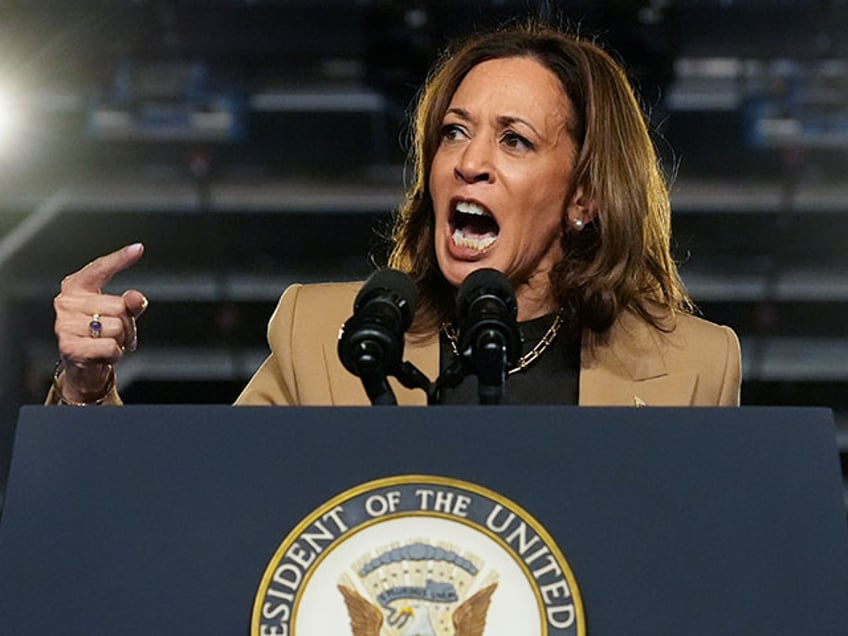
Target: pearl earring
x=578, y=223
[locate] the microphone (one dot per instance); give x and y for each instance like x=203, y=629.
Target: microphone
x=371, y=341
x=489, y=341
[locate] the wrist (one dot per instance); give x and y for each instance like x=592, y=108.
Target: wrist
x=70, y=394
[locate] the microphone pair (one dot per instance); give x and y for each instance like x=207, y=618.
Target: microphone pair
x=488, y=339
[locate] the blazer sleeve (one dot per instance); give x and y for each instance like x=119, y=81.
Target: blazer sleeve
x=111, y=399
x=274, y=383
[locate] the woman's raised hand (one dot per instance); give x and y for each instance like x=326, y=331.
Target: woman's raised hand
x=94, y=329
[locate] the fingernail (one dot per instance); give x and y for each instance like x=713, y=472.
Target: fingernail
x=144, y=302
x=133, y=344
x=134, y=249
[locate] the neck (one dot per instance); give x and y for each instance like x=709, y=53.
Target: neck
x=534, y=301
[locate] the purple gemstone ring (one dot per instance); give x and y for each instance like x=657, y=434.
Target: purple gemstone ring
x=95, y=327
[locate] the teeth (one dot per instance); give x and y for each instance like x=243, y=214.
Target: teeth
x=466, y=236
x=471, y=208
x=475, y=243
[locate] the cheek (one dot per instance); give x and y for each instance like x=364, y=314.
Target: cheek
x=438, y=168
x=544, y=212
x=539, y=192
x=439, y=194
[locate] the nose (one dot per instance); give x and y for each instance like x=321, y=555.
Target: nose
x=474, y=162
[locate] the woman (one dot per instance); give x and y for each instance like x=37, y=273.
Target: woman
x=532, y=157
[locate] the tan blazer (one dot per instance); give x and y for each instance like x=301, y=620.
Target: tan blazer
x=697, y=364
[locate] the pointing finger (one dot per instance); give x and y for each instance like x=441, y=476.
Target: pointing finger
x=94, y=276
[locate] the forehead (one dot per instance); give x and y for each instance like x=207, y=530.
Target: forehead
x=520, y=84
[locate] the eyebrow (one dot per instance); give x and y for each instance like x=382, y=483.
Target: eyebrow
x=503, y=120
x=507, y=120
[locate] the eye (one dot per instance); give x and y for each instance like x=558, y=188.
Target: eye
x=453, y=132
x=515, y=141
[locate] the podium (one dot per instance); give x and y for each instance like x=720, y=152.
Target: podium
x=164, y=519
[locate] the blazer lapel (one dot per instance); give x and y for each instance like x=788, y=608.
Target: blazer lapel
x=627, y=369
x=345, y=388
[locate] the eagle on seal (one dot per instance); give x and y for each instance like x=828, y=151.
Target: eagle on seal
x=469, y=619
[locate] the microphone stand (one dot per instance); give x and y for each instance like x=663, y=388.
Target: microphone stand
x=488, y=362
x=490, y=359
x=376, y=385
x=412, y=377
x=370, y=369
x=488, y=340
x=450, y=378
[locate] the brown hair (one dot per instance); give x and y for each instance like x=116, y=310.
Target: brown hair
x=622, y=259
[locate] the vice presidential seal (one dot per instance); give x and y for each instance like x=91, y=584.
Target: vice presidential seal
x=418, y=556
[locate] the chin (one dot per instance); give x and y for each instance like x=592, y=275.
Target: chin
x=455, y=271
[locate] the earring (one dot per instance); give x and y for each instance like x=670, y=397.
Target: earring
x=578, y=223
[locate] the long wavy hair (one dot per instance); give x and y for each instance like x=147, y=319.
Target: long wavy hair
x=622, y=259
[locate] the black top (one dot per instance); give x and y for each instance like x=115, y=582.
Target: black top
x=552, y=379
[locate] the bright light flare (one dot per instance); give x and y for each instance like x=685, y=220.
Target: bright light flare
x=10, y=119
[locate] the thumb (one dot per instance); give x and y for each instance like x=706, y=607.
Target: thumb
x=135, y=301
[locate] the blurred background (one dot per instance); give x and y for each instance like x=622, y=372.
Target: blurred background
x=254, y=143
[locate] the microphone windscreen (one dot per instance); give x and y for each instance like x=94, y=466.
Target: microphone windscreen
x=393, y=283
x=482, y=282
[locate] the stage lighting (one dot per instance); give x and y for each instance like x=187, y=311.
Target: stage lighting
x=10, y=118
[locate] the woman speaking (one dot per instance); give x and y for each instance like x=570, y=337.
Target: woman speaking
x=532, y=157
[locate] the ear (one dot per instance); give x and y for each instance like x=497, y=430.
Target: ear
x=582, y=209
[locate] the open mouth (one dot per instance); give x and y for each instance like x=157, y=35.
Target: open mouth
x=472, y=226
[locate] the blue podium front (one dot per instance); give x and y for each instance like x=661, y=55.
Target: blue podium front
x=239, y=520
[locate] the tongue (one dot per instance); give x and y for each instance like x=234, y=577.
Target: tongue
x=476, y=226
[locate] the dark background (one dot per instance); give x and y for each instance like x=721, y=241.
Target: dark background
x=251, y=144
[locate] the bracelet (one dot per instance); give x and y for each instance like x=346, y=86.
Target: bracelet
x=57, y=371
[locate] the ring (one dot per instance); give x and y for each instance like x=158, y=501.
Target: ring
x=95, y=327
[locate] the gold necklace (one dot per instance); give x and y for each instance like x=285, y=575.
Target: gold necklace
x=524, y=361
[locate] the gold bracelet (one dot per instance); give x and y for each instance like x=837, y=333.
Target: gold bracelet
x=57, y=371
